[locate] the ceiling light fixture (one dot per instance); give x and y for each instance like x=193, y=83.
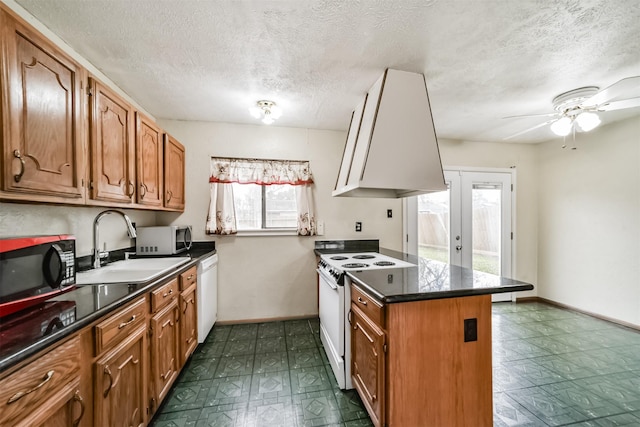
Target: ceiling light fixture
x=562, y=126
x=267, y=111
x=569, y=104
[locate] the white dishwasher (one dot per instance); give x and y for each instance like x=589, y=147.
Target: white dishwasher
x=207, y=295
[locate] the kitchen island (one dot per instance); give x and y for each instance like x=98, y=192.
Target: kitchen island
x=421, y=343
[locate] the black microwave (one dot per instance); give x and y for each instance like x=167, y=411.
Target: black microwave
x=34, y=269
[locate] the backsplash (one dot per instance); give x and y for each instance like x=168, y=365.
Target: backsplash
x=17, y=219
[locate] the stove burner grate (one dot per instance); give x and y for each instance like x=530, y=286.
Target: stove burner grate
x=384, y=263
x=364, y=256
x=354, y=265
x=339, y=258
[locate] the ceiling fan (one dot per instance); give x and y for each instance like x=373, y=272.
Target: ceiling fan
x=578, y=109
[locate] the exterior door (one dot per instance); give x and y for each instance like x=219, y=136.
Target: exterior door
x=468, y=225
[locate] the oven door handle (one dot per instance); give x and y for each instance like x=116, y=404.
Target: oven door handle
x=328, y=279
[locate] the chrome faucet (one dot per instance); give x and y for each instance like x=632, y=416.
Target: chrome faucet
x=97, y=254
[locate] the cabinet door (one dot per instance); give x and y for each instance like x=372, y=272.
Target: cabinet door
x=112, y=146
x=173, y=173
x=120, y=383
x=164, y=350
x=149, y=162
x=41, y=116
x=368, y=364
x=188, y=323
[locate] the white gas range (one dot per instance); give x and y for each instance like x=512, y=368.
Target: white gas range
x=334, y=303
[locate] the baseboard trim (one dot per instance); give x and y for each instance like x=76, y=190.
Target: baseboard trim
x=588, y=313
x=267, y=319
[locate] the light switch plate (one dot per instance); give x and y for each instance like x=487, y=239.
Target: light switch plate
x=320, y=228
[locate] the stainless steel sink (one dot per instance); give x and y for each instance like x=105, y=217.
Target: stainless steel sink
x=137, y=270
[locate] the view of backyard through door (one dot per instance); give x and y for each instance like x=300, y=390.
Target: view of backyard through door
x=467, y=225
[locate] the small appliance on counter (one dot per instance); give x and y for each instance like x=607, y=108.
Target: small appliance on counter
x=34, y=269
x=163, y=240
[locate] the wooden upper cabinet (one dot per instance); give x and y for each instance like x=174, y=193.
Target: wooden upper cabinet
x=149, y=162
x=42, y=116
x=174, y=170
x=112, y=146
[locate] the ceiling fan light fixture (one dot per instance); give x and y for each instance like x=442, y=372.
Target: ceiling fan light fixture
x=587, y=121
x=562, y=126
x=267, y=111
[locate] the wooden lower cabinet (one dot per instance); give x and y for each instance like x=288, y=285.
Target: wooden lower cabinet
x=413, y=367
x=188, y=323
x=120, y=379
x=44, y=392
x=368, y=363
x=164, y=352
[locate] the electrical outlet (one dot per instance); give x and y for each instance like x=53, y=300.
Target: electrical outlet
x=470, y=330
x=389, y=213
x=320, y=228
x=358, y=226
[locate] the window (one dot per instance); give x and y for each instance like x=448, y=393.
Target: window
x=260, y=195
x=261, y=207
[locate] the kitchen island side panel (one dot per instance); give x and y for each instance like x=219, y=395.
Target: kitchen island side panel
x=435, y=378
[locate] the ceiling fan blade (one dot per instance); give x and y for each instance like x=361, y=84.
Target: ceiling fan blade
x=619, y=105
x=532, y=115
x=530, y=129
x=629, y=86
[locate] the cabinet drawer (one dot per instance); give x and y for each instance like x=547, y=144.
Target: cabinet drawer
x=31, y=387
x=119, y=325
x=164, y=295
x=372, y=308
x=188, y=278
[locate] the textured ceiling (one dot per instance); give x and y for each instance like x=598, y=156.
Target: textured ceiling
x=211, y=60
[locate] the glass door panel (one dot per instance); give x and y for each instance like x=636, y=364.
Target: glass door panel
x=434, y=226
x=486, y=228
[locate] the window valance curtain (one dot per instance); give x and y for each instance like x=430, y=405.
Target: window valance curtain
x=221, y=218
x=262, y=172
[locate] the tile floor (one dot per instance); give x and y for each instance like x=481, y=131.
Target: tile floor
x=550, y=366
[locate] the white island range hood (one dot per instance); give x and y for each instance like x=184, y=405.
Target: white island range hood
x=391, y=149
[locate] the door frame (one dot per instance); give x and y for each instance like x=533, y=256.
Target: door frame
x=409, y=206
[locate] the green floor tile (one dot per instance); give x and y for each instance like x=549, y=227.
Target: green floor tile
x=551, y=366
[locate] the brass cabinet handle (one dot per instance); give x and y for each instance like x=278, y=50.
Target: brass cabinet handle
x=17, y=155
x=132, y=188
x=190, y=277
x=361, y=301
x=143, y=190
x=128, y=322
x=107, y=372
x=167, y=293
x=170, y=194
x=165, y=376
x=186, y=305
x=78, y=398
x=19, y=395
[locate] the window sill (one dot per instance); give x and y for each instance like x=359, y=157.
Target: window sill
x=268, y=232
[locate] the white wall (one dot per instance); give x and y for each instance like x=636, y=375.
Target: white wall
x=503, y=155
x=589, y=255
x=274, y=276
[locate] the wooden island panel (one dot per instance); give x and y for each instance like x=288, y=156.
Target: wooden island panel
x=435, y=377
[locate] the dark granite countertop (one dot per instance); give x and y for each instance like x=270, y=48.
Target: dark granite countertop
x=27, y=332
x=428, y=280
x=431, y=280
